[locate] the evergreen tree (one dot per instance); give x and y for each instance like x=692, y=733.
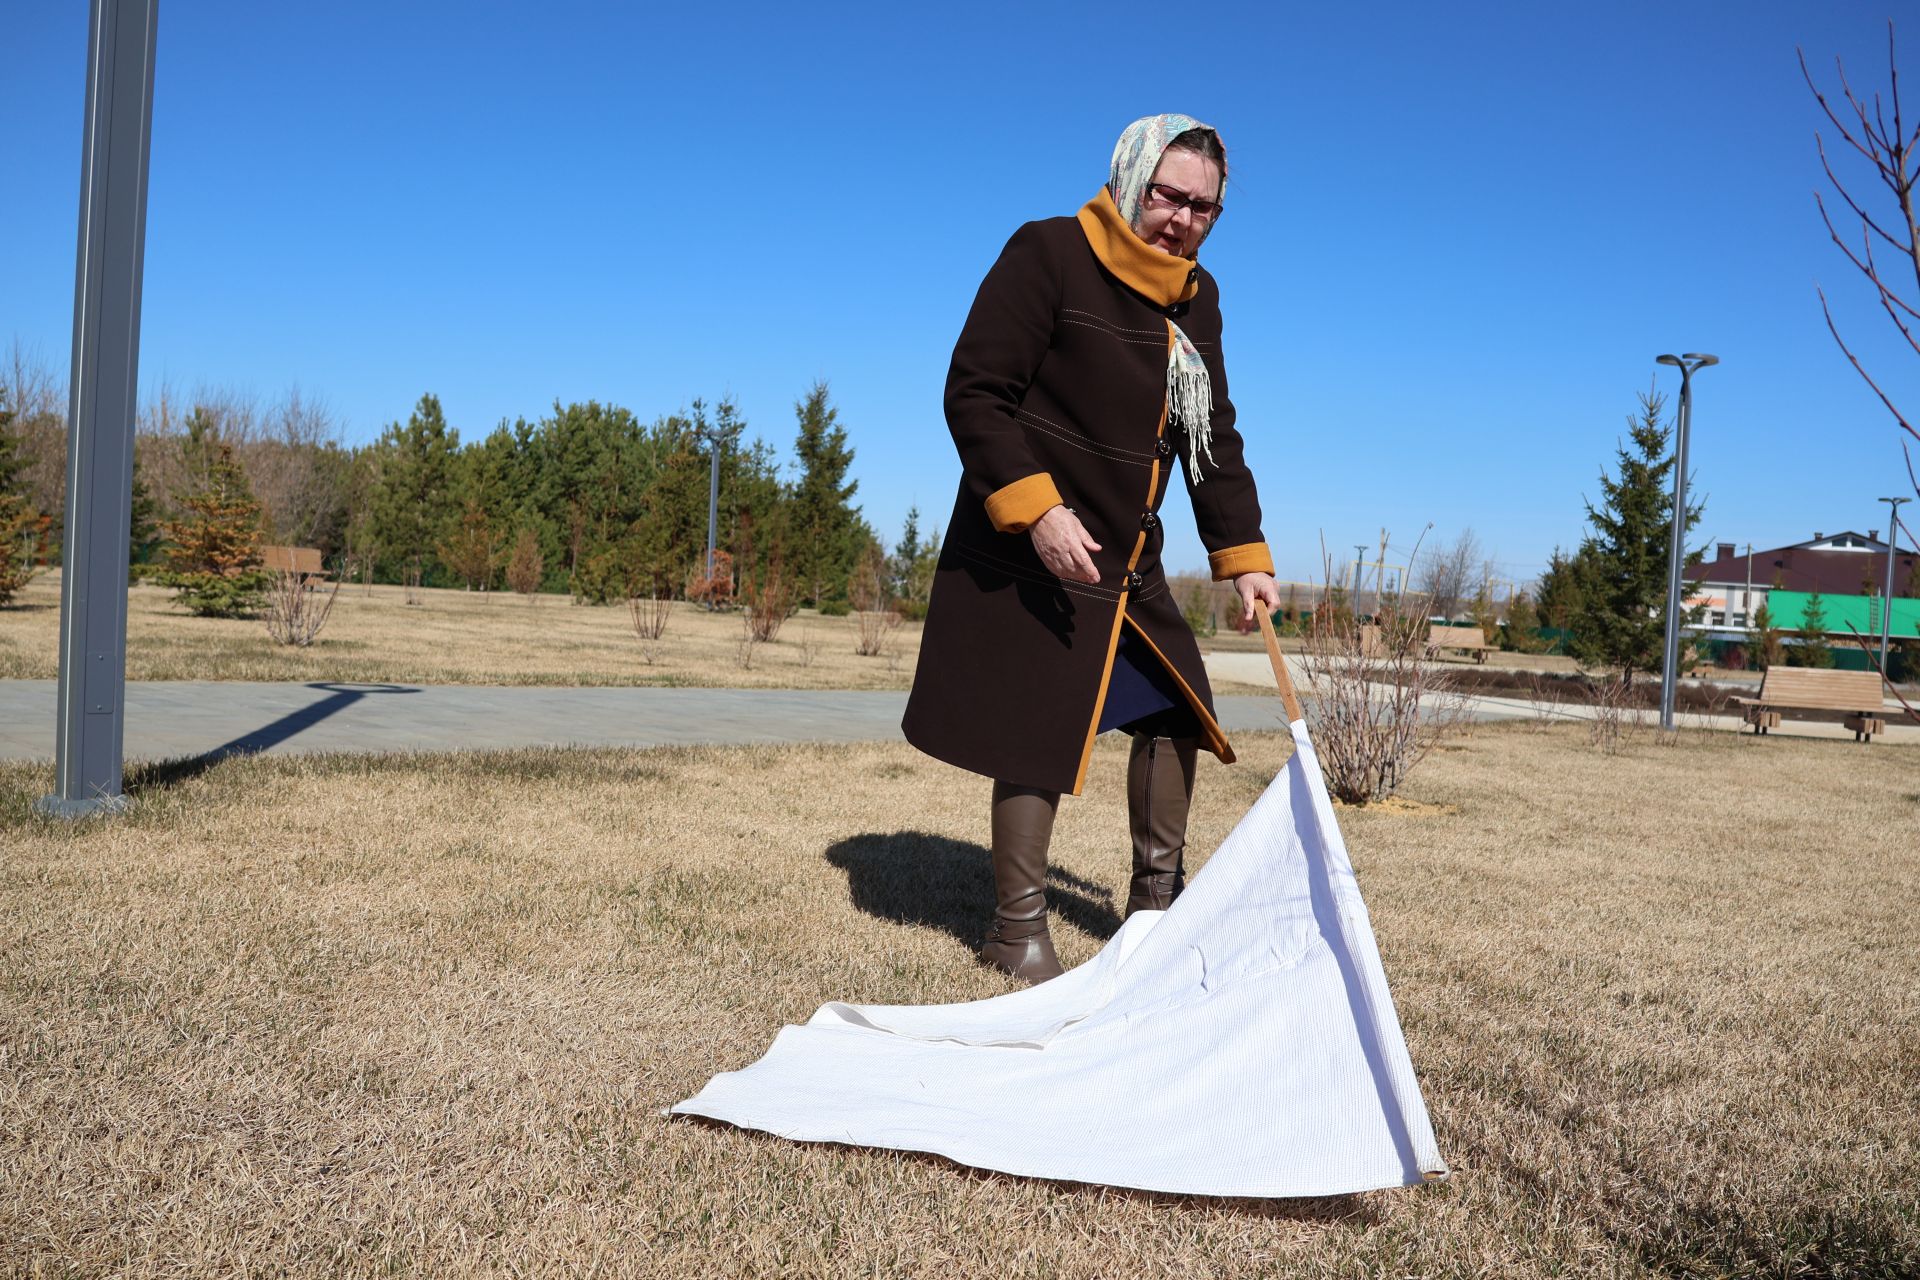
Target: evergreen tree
x=213, y=564
x=11, y=463
x=825, y=532
x=472, y=548
x=1559, y=601
x=413, y=493
x=1813, y=649
x=1768, y=649
x=20, y=531
x=1523, y=623
x=143, y=536
x=1621, y=620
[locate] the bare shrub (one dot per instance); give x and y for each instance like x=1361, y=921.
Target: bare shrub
x=650, y=614
x=1618, y=716
x=770, y=601
x=412, y=585
x=743, y=655
x=716, y=589
x=871, y=628
x=296, y=608
x=875, y=615
x=1545, y=702
x=525, y=564
x=1380, y=704
x=809, y=646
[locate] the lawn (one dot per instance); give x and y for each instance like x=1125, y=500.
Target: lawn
x=355, y=1015
x=465, y=637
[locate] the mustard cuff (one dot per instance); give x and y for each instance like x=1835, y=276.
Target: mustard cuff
x=1248, y=557
x=1015, y=507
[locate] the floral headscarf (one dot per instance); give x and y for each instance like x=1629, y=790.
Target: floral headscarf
x=1135, y=158
x=1137, y=155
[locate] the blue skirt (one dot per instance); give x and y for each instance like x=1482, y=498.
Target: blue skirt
x=1142, y=696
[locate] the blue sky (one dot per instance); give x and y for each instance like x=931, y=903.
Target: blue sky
x=1457, y=234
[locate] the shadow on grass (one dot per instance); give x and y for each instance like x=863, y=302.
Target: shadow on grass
x=161, y=775
x=916, y=878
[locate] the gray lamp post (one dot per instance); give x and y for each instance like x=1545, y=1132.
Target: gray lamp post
x=1688, y=365
x=1886, y=597
x=90, y=723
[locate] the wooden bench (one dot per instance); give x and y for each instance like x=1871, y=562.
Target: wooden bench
x=1470, y=639
x=1815, y=689
x=303, y=562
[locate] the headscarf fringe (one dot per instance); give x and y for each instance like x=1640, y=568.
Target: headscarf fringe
x=1190, y=400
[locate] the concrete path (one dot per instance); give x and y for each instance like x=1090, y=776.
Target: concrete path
x=1253, y=668
x=192, y=718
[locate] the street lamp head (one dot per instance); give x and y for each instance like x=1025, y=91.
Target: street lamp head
x=1702, y=361
x=1672, y=360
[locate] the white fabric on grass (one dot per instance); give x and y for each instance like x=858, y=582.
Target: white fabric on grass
x=1241, y=1043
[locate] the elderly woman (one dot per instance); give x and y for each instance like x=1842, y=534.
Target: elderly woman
x=1091, y=359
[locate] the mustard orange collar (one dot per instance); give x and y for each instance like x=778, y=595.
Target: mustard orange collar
x=1159, y=277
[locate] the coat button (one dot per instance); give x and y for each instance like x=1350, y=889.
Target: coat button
x=1134, y=581
x=1148, y=520
x=1162, y=447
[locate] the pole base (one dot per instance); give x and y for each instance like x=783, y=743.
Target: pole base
x=97, y=806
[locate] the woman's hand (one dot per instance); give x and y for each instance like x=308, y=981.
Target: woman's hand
x=1256, y=586
x=1065, y=546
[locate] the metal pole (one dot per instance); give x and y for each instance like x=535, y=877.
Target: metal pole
x=1747, y=599
x=1359, y=570
x=713, y=498
x=103, y=399
x=1886, y=597
x=1671, y=656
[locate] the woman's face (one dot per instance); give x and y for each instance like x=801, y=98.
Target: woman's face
x=1176, y=229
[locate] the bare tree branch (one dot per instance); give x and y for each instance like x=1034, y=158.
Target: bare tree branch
x=1851, y=204
x=1821, y=98
x=1888, y=297
x=1860, y=369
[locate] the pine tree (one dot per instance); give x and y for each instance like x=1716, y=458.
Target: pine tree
x=413, y=493
x=472, y=548
x=213, y=564
x=824, y=533
x=1768, y=649
x=11, y=463
x=143, y=529
x=1523, y=624
x=1813, y=649
x=1560, y=598
x=526, y=564
x=1622, y=563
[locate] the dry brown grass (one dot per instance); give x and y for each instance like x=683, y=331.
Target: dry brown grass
x=353, y=1016
x=465, y=637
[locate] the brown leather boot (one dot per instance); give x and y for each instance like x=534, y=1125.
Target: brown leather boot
x=1159, y=790
x=1017, y=941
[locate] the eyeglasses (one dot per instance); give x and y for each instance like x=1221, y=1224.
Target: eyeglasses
x=1165, y=197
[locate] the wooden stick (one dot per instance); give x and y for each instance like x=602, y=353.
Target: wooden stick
x=1288, y=697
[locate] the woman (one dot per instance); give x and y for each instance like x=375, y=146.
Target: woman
x=1090, y=359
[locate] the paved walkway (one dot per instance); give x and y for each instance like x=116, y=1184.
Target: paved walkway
x=192, y=718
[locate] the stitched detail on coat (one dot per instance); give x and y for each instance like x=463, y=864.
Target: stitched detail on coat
x=1100, y=328
x=1113, y=453
x=1157, y=335
x=1103, y=594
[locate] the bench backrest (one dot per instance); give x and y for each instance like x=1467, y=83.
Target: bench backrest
x=301, y=560
x=1445, y=637
x=1815, y=687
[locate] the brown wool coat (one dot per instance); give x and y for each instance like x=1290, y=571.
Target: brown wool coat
x=1057, y=393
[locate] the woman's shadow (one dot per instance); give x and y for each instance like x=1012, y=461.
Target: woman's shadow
x=916, y=878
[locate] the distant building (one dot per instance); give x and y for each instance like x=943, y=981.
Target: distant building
x=1735, y=583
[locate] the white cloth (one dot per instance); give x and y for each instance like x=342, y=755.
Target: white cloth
x=1242, y=1043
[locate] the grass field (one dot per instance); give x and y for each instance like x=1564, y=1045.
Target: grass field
x=463, y=637
x=355, y=1016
